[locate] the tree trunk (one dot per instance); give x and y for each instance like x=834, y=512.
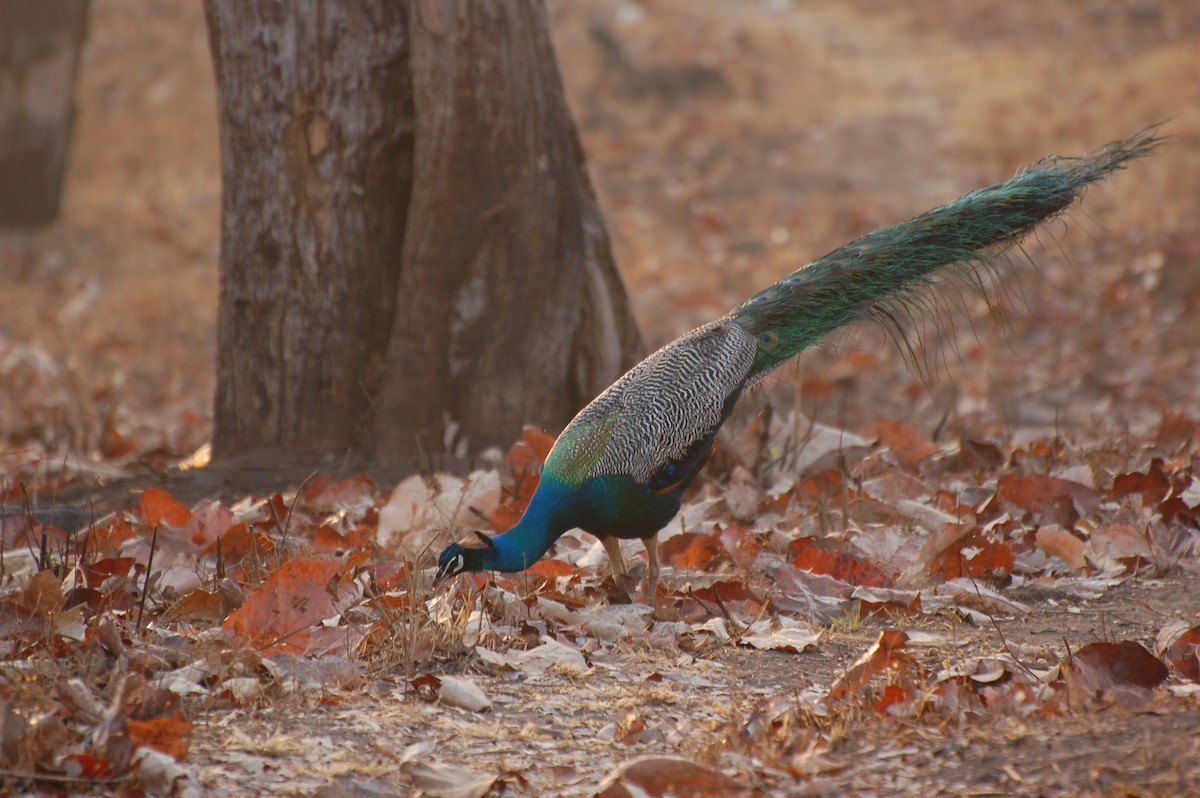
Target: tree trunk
x=410, y=245
x=508, y=283
x=315, y=114
x=40, y=44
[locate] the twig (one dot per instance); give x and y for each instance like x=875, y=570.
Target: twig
x=146, y=581
x=57, y=778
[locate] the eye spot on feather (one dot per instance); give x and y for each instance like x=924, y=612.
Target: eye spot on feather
x=760, y=299
x=768, y=341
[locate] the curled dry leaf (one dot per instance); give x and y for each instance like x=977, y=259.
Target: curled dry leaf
x=667, y=777
x=447, y=781
x=160, y=774
x=1181, y=646
x=787, y=635
x=887, y=652
x=463, y=693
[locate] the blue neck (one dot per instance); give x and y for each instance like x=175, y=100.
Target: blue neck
x=544, y=521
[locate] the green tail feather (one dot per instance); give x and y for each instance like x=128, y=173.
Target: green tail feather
x=875, y=274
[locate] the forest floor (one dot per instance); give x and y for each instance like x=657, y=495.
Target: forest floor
x=973, y=580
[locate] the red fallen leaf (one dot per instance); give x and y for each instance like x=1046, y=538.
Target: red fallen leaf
x=817, y=557
x=158, y=506
x=728, y=590
x=892, y=694
x=427, y=686
x=902, y=437
x=972, y=554
x=1152, y=485
x=887, y=652
x=324, y=494
x=390, y=575
x=362, y=536
x=1177, y=429
x=740, y=543
x=106, y=541
x=96, y=572
x=169, y=735
x=1127, y=663
x=277, y=508
x=298, y=594
x=691, y=550
x=198, y=605
x=506, y=516
x=328, y=540
x=538, y=441
x=876, y=603
x=822, y=483
x=238, y=542
x=114, y=445
x=1033, y=492
x=1058, y=542
x=1184, y=654
x=527, y=455
x=972, y=456
x=551, y=569
x=87, y=766
x=663, y=776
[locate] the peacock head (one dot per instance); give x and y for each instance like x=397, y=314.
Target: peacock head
x=469, y=554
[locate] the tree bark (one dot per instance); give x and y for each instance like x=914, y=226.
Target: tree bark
x=410, y=246
x=315, y=115
x=40, y=44
x=508, y=282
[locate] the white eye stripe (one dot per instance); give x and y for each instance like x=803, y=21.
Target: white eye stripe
x=458, y=564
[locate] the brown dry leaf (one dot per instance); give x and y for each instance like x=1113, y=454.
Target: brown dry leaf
x=1120, y=542
x=693, y=551
x=1034, y=492
x=823, y=557
x=1128, y=663
x=1184, y=654
x=743, y=495
x=1058, y=542
x=158, y=506
x=666, y=777
x=887, y=652
x=42, y=597
x=448, y=781
x=463, y=693
x=169, y=734
x=902, y=437
x=971, y=553
x=298, y=594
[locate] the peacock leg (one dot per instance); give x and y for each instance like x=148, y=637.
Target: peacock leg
x=651, y=567
x=613, y=547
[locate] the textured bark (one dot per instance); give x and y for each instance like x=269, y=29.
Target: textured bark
x=40, y=43
x=408, y=233
x=510, y=309
x=316, y=167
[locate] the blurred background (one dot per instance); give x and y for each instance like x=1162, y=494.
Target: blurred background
x=730, y=143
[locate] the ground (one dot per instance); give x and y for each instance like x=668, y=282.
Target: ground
x=730, y=143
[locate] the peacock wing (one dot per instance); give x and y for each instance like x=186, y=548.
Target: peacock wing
x=664, y=410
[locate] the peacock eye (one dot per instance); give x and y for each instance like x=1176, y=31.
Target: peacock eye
x=767, y=341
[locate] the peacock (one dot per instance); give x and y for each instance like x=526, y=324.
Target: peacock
x=620, y=467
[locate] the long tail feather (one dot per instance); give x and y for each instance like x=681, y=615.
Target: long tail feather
x=878, y=273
